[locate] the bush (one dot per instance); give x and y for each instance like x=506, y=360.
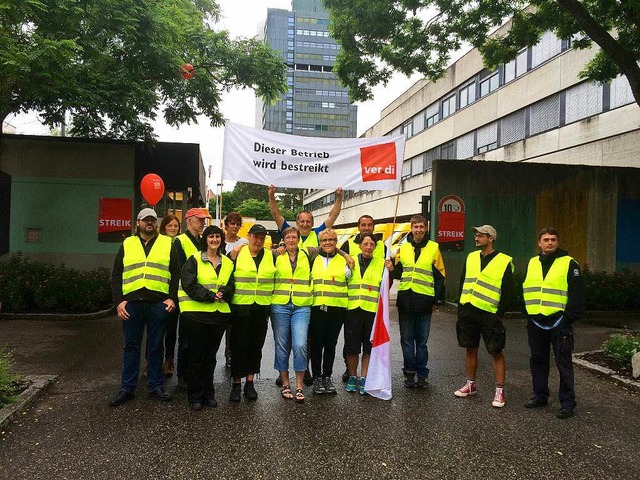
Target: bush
x=34, y=287
x=622, y=347
x=6, y=379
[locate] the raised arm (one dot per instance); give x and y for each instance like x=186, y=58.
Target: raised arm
x=335, y=211
x=275, y=209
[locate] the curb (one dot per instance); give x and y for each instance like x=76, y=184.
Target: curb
x=605, y=372
x=39, y=385
x=57, y=316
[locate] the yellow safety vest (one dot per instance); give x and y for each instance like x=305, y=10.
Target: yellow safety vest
x=482, y=289
x=254, y=286
x=365, y=290
x=418, y=276
x=141, y=271
x=355, y=250
x=208, y=278
x=187, y=245
x=310, y=241
x=330, y=283
x=549, y=295
x=293, y=285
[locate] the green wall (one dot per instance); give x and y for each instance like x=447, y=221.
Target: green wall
x=66, y=209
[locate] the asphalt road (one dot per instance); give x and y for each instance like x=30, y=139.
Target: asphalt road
x=72, y=432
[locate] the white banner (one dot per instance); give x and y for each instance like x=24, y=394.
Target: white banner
x=269, y=158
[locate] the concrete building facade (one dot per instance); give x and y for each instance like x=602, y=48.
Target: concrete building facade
x=532, y=110
x=316, y=105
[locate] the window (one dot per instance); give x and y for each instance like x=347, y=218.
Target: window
x=448, y=106
x=487, y=137
x=417, y=165
x=512, y=127
x=489, y=84
x=465, y=146
x=582, y=101
x=621, y=92
x=467, y=95
x=544, y=115
x=516, y=67
x=429, y=157
x=431, y=114
x=448, y=150
x=407, y=129
x=406, y=169
x=549, y=46
x=418, y=122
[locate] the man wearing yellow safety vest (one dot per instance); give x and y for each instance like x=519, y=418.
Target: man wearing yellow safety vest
x=144, y=284
x=254, y=279
x=187, y=244
x=554, y=298
x=486, y=290
x=304, y=219
x=420, y=268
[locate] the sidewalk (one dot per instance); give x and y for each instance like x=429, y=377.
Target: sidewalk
x=72, y=433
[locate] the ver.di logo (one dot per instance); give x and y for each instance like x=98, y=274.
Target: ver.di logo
x=378, y=162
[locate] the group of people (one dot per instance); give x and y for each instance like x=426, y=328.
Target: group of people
x=223, y=285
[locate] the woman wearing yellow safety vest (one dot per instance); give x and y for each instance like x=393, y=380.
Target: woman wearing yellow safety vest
x=291, y=310
x=364, y=290
x=329, y=274
x=254, y=276
x=206, y=291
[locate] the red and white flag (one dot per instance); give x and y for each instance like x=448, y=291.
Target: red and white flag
x=378, y=382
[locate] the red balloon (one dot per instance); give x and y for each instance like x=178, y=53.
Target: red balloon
x=152, y=188
x=187, y=71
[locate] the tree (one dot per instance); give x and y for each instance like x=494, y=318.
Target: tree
x=258, y=209
x=379, y=36
x=113, y=65
x=290, y=201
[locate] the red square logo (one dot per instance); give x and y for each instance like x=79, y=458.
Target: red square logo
x=378, y=162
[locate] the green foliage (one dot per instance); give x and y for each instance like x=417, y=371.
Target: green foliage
x=604, y=291
x=34, y=287
x=622, y=347
x=290, y=200
x=378, y=36
x=6, y=378
x=113, y=65
x=258, y=209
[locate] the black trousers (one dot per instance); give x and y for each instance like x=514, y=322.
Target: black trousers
x=324, y=330
x=248, y=332
x=540, y=342
x=204, y=340
x=171, y=334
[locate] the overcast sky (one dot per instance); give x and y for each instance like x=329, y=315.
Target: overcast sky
x=238, y=106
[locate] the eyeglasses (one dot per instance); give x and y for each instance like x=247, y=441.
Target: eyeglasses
x=329, y=240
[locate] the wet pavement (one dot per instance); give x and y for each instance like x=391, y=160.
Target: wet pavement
x=72, y=432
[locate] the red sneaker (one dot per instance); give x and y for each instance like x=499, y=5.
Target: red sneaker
x=469, y=388
x=499, y=399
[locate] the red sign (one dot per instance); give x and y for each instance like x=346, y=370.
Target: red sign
x=451, y=217
x=114, y=219
x=378, y=162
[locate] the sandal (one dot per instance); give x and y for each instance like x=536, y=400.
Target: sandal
x=299, y=395
x=286, y=392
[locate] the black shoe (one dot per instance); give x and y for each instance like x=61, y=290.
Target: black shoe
x=159, y=394
x=564, y=413
x=328, y=386
x=308, y=379
x=410, y=380
x=122, y=397
x=236, y=392
x=227, y=362
x=278, y=382
x=250, y=391
x=195, y=406
x=536, y=402
x=422, y=382
x=211, y=402
x=345, y=376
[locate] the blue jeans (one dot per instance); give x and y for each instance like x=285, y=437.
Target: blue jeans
x=154, y=316
x=414, y=333
x=290, y=326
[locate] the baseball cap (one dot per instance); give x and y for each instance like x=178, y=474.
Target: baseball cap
x=147, y=212
x=487, y=230
x=198, y=213
x=258, y=229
